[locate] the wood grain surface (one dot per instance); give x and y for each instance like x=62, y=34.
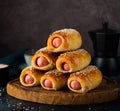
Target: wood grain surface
x=107, y=91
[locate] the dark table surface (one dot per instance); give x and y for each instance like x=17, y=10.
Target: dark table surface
x=8, y=103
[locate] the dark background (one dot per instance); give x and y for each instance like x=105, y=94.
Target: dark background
x=28, y=23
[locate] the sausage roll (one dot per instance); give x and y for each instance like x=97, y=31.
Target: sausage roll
x=44, y=59
x=85, y=80
x=73, y=60
x=64, y=40
x=54, y=80
x=30, y=76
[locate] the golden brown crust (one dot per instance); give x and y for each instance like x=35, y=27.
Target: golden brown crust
x=89, y=78
x=32, y=72
x=76, y=60
x=51, y=58
x=58, y=79
x=71, y=40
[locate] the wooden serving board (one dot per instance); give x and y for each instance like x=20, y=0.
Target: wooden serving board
x=107, y=91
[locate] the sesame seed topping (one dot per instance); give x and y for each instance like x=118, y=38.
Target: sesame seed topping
x=86, y=70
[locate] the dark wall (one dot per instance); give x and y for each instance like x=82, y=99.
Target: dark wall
x=28, y=23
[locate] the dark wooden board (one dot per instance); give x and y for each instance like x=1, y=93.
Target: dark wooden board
x=107, y=91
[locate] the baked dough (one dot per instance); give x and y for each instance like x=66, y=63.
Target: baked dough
x=89, y=78
x=76, y=60
x=58, y=79
x=49, y=56
x=71, y=40
x=35, y=74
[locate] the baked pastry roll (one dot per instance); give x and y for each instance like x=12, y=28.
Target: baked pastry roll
x=54, y=80
x=73, y=61
x=85, y=80
x=30, y=76
x=64, y=40
x=44, y=59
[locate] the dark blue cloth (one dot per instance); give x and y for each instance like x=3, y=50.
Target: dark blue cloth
x=14, y=60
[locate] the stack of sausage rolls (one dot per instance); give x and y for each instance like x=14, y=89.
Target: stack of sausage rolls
x=62, y=63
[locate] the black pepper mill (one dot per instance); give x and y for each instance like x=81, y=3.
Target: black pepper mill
x=105, y=45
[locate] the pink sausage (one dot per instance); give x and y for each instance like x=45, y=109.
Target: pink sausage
x=29, y=79
x=56, y=42
x=48, y=83
x=75, y=85
x=65, y=66
x=42, y=61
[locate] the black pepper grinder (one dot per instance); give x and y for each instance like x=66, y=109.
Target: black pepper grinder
x=105, y=45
